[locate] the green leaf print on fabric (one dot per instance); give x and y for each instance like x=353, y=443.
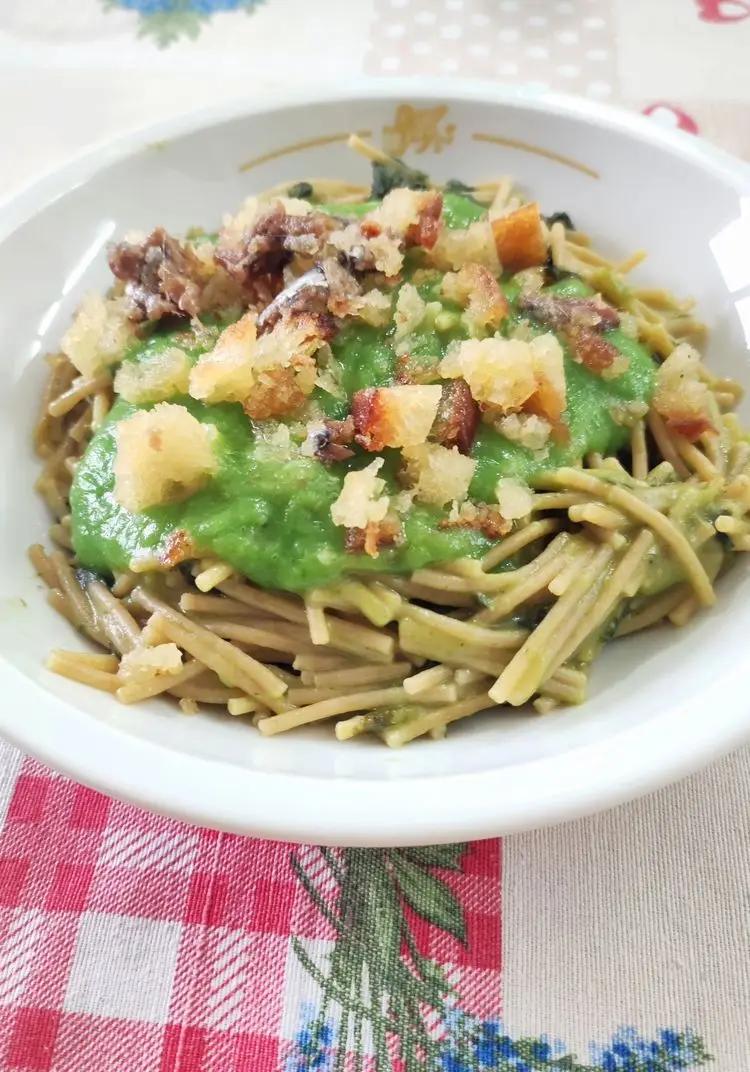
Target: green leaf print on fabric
x=445, y=856
x=384, y=985
x=428, y=896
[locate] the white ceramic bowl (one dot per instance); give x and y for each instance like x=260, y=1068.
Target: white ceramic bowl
x=661, y=704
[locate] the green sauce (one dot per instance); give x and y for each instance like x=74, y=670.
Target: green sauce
x=589, y=417
x=458, y=211
x=269, y=515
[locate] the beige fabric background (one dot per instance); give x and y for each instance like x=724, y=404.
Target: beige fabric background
x=640, y=915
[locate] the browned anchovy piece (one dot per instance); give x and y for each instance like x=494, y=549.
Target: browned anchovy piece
x=582, y=321
x=327, y=287
x=162, y=277
x=331, y=443
x=457, y=417
x=271, y=243
x=559, y=313
x=308, y=293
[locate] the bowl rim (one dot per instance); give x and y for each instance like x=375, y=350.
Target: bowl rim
x=368, y=812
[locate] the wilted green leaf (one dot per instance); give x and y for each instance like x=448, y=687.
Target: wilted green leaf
x=455, y=186
x=302, y=190
x=395, y=174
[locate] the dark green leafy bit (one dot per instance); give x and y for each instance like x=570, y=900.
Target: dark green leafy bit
x=553, y=273
x=561, y=217
x=456, y=186
x=530, y=617
x=610, y=627
x=303, y=190
x=712, y=512
x=395, y=174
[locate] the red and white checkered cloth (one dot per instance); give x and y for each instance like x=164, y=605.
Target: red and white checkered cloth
x=134, y=943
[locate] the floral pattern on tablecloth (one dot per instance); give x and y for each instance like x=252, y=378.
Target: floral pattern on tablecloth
x=166, y=21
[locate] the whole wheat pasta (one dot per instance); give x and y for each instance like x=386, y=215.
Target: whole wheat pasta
x=41, y=563
x=511, y=545
x=228, y=662
x=213, y=575
x=427, y=679
x=653, y=610
x=356, y=701
x=561, y=563
x=80, y=388
x=468, y=632
x=531, y=664
x=154, y=684
x=67, y=664
x=317, y=625
x=121, y=629
x=639, y=451
x=695, y=459
x=208, y=694
x=684, y=611
x=314, y=662
x=361, y=675
x=285, y=639
x=242, y=706
x=423, y=592
x=666, y=446
x=596, y=514
x=431, y=720
x=553, y=500
x=197, y=603
x=609, y=594
x=442, y=580
x=527, y=581
x=640, y=511
x=291, y=610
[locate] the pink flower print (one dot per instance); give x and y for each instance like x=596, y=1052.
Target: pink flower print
x=723, y=10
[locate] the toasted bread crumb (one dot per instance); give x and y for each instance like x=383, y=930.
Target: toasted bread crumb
x=163, y=455
x=439, y=475
x=361, y=500
x=154, y=378
x=99, y=334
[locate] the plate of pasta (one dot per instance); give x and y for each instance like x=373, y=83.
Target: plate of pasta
x=380, y=473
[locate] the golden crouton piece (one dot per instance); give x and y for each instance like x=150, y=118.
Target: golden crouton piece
x=361, y=501
x=155, y=378
x=520, y=239
x=394, y=416
x=163, y=455
x=98, y=335
x=437, y=474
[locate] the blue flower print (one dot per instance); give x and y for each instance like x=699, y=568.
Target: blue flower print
x=167, y=21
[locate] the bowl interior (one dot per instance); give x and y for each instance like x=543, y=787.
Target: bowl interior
x=626, y=190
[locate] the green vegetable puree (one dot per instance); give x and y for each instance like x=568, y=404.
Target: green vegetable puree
x=268, y=514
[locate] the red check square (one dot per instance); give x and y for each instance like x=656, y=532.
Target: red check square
x=70, y=887
x=33, y=1040
x=27, y=803
x=13, y=875
x=90, y=809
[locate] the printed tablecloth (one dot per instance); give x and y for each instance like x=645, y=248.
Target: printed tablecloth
x=132, y=943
